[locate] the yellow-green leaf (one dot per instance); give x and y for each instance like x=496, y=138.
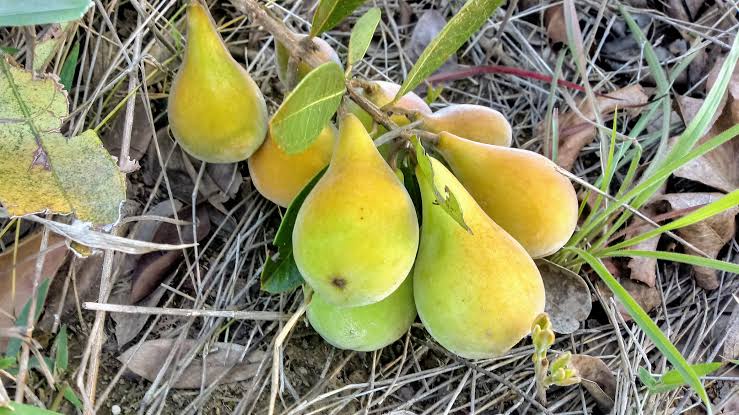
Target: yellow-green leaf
x=465, y=23
x=40, y=169
x=308, y=108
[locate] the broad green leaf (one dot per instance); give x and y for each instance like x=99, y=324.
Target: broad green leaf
x=23, y=409
x=308, y=108
x=282, y=274
x=329, y=13
x=61, y=359
x=362, y=34
x=463, y=25
x=647, y=325
x=672, y=379
x=675, y=257
x=66, y=75
x=14, y=344
x=35, y=12
x=41, y=170
x=449, y=202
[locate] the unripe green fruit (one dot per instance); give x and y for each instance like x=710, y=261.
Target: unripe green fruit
x=216, y=111
x=365, y=328
x=321, y=50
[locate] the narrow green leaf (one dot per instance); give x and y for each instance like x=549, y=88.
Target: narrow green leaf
x=9, y=50
x=70, y=396
x=446, y=201
x=14, y=344
x=36, y=12
x=463, y=25
x=330, y=13
x=675, y=257
x=61, y=359
x=7, y=362
x=433, y=93
x=66, y=75
x=308, y=108
x=648, y=326
x=23, y=409
x=282, y=274
x=362, y=34
x=672, y=379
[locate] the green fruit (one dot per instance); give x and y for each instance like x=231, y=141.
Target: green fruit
x=476, y=293
x=519, y=189
x=365, y=328
x=216, y=111
x=356, y=234
x=321, y=50
x=473, y=122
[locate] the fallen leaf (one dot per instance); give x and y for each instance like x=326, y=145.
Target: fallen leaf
x=41, y=169
x=685, y=10
x=709, y=235
x=575, y=133
x=147, y=360
x=647, y=297
x=424, y=31
x=568, y=299
x=141, y=133
x=153, y=267
x=25, y=269
x=597, y=379
x=644, y=269
x=554, y=20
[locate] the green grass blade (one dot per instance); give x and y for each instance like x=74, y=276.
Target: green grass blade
x=676, y=257
x=648, y=326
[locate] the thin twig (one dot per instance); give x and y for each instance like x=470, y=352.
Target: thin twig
x=186, y=312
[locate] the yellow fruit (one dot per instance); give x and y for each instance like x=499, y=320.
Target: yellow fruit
x=382, y=93
x=473, y=122
x=279, y=176
x=322, y=51
x=216, y=111
x=476, y=293
x=365, y=328
x=519, y=189
x=356, y=234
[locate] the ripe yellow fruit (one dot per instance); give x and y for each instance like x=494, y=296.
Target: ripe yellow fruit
x=322, y=51
x=473, y=122
x=476, y=293
x=356, y=234
x=216, y=111
x=519, y=189
x=365, y=328
x=382, y=93
x=279, y=176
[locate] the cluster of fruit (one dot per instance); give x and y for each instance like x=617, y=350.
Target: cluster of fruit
x=356, y=239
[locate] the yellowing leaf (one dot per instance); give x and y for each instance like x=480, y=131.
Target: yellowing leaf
x=40, y=169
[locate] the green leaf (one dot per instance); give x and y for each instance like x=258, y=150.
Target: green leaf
x=35, y=12
x=463, y=25
x=648, y=326
x=9, y=50
x=362, y=34
x=449, y=202
x=61, y=359
x=66, y=75
x=330, y=13
x=434, y=92
x=282, y=274
x=7, y=362
x=672, y=379
x=70, y=396
x=42, y=170
x=676, y=257
x=308, y=108
x=14, y=344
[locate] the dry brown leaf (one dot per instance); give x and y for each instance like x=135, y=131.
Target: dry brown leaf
x=223, y=359
x=709, y=235
x=25, y=268
x=575, y=132
x=647, y=297
x=554, y=20
x=568, y=299
x=685, y=10
x=140, y=134
x=597, y=378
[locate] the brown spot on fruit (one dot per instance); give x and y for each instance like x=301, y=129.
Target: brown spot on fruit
x=338, y=282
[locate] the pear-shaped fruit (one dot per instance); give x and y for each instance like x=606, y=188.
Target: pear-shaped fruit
x=365, y=328
x=216, y=111
x=279, y=176
x=321, y=50
x=473, y=122
x=476, y=293
x=356, y=234
x=382, y=93
x=519, y=189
